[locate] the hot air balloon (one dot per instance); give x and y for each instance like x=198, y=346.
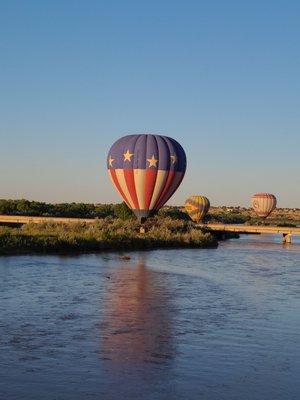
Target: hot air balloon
x=263, y=204
x=146, y=170
x=197, y=207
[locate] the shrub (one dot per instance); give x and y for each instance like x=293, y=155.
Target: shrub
x=122, y=211
x=228, y=218
x=104, y=210
x=174, y=213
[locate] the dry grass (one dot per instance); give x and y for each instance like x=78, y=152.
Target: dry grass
x=106, y=234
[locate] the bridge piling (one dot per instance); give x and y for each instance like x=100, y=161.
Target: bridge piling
x=286, y=232
x=287, y=238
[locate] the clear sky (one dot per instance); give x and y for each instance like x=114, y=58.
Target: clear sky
x=221, y=77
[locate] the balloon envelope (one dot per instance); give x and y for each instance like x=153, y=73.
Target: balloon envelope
x=146, y=170
x=263, y=204
x=197, y=207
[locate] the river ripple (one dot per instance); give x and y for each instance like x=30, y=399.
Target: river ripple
x=169, y=324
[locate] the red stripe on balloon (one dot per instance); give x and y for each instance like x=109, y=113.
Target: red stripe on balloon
x=116, y=182
x=167, y=187
x=172, y=185
x=150, y=181
x=129, y=179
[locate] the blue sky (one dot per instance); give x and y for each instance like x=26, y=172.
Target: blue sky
x=220, y=77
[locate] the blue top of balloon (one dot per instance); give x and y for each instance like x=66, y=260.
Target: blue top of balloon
x=141, y=148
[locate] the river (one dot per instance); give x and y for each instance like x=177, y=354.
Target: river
x=167, y=324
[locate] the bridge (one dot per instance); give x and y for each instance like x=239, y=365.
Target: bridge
x=286, y=232
x=21, y=220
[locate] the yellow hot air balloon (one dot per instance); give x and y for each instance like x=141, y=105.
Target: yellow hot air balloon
x=263, y=204
x=197, y=207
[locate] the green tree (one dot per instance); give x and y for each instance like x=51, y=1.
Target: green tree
x=122, y=211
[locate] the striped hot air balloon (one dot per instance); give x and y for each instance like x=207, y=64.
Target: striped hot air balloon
x=263, y=204
x=146, y=170
x=197, y=207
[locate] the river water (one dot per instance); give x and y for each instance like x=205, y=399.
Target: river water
x=168, y=324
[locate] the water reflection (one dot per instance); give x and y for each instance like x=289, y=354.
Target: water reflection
x=186, y=324
x=138, y=314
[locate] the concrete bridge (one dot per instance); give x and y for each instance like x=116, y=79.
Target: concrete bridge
x=286, y=232
x=21, y=220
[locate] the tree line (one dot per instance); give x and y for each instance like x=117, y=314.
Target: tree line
x=67, y=210
x=88, y=210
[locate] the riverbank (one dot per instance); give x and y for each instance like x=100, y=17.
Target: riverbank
x=105, y=234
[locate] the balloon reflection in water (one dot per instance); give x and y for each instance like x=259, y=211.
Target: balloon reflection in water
x=137, y=323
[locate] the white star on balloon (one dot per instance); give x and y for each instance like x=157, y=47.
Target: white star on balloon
x=152, y=161
x=110, y=161
x=127, y=155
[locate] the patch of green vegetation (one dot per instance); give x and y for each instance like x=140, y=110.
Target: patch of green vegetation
x=287, y=225
x=273, y=221
x=105, y=234
x=173, y=213
x=228, y=218
x=122, y=211
x=67, y=210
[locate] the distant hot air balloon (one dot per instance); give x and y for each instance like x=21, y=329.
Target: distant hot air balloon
x=263, y=204
x=197, y=207
x=146, y=170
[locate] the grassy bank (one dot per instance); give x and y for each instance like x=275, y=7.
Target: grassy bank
x=106, y=234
